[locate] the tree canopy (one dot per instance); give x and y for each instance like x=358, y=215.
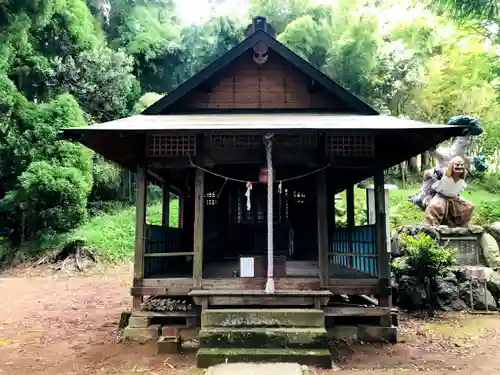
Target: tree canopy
x=75, y=62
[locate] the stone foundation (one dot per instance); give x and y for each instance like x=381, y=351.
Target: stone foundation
x=364, y=333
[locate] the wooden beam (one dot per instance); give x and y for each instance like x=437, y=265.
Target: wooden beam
x=165, y=216
x=384, y=266
x=322, y=214
x=199, y=187
x=140, y=227
x=356, y=311
x=182, y=286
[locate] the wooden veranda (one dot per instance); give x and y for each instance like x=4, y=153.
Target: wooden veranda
x=205, y=141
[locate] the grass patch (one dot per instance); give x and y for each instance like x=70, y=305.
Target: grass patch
x=112, y=236
x=403, y=212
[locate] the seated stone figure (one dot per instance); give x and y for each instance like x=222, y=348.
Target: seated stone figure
x=447, y=207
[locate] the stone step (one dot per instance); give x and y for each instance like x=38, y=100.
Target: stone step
x=207, y=357
x=299, y=338
x=297, y=318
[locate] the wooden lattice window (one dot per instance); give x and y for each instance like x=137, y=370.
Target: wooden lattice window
x=231, y=141
x=350, y=145
x=172, y=145
x=296, y=141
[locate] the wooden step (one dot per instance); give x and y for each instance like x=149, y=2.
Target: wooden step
x=207, y=357
x=223, y=297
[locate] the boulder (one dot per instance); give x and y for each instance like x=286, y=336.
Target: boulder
x=459, y=231
x=447, y=294
x=396, y=249
x=493, y=280
x=476, y=229
x=480, y=297
x=491, y=252
x=411, y=293
x=443, y=229
x=494, y=230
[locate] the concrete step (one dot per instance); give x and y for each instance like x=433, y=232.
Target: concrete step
x=299, y=338
x=207, y=357
x=296, y=318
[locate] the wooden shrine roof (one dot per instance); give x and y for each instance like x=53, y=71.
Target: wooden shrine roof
x=276, y=122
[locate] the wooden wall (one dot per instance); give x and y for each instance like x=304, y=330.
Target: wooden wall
x=277, y=84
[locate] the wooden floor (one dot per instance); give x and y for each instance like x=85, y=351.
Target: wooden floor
x=293, y=269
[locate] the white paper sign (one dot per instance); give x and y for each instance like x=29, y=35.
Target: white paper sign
x=247, y=267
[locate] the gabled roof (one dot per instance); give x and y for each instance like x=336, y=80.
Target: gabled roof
x=260, y=35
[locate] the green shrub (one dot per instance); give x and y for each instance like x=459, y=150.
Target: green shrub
x=425, y=259
x=487, y=212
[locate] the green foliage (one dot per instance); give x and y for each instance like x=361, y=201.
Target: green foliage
x=112, y=236
x=51, y=197
x=487, y=212
x=145, y=101
x=425, y=258
x=101, y=80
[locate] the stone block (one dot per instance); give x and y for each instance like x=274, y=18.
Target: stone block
x=124, y=319
x=138, y=322
x=300, y=338
x=386, y=320
x=207, y=357
x=377, y=334
x=188, y=334
x=347, y=333
x=263, y=318
x=168, y=345
x=148, y=333
x=170, y=331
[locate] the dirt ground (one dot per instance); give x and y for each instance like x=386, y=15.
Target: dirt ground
x=60, y=324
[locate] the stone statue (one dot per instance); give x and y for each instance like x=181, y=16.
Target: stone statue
x=447, y=207
x=459, y=147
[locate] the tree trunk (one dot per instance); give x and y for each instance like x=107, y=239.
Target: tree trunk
x=426, y=160
x=412, y=165
x=402, y=169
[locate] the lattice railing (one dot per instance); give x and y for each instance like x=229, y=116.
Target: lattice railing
x=171, y=145
x=350, y=145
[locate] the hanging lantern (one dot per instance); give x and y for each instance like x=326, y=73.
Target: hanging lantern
x=263, y=175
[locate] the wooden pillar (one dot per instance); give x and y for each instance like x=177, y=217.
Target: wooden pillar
x=140, y=229
x=165, y=217
x=351, y=222
x=349, y=195
x=199, y=187
x=180, y=210
x=384, y=267
x=322, y=213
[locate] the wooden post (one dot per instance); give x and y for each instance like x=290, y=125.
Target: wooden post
x=199, y=187
x=384, y=267
x=350, y=219
x=322, y=213
x=165, y=217
x=140, y=229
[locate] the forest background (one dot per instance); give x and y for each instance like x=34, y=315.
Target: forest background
x=67, y=63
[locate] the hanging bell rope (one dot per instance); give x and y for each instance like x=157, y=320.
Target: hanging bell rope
x=268, y=138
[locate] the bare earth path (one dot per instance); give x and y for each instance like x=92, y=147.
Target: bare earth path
x=56, y=324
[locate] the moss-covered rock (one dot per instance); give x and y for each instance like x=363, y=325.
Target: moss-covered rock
x=300, y=338
x=263, y=318
x=207, y=357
